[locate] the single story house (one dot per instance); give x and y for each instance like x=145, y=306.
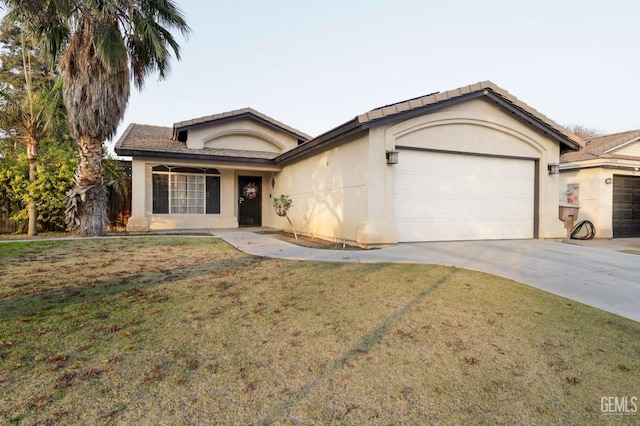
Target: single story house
x=467, y=164
x=606, y=175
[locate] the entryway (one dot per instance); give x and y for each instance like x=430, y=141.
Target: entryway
x=249, y=201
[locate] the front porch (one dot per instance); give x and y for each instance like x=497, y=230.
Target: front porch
x=197, y=195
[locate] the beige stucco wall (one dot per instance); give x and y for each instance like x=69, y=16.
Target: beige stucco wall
x=143, y=219
x=478, y=126
x=596, y=196
x=328, y=190
x=347, y=192
x=243, y=134
x=240, y=134
x=631, y=149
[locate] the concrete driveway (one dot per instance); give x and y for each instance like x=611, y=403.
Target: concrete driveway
x=596, y=274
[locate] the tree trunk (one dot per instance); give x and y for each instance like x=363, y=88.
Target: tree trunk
x=294, y=229
x=93, y=206
x=32, y=148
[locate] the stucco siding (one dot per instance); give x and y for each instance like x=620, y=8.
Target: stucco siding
x=143, y=218
x=631, y=150
x=475, y=126
x=596, y=195
x=341, y=184
x=479, y=127
x=328, y=191
x=240, y=134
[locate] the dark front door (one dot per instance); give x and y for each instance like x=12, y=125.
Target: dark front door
x=249, y=201
x=626, y=206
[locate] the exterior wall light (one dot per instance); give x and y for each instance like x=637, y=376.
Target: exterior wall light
x=608, y=181
x=392, y=157
x=553, y=168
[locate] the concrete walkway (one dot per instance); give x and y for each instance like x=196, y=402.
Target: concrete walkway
x=595, y=273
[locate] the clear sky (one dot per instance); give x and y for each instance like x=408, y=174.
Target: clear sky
x=316, y=64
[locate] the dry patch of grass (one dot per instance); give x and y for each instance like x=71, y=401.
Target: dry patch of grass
x=178, y=330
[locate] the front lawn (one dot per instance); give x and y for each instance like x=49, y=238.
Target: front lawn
x=186, y=330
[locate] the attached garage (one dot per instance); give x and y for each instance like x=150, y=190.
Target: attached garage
x=452, y=196
x=473, y=163
x=626, y=206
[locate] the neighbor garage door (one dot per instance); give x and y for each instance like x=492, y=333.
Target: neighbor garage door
x=626, y=206
x=444, y=197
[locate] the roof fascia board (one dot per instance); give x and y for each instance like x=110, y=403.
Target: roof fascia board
x=185, y=156
x=243, y=115
x=522, y=114
x=416, y=112
x=354, y=125
x=531, y=119
x=608, y=163
x=124, y=136
x=619, y=147
x=208, y=164
x=318, y=143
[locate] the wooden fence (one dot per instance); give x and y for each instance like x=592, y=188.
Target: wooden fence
x=7, y=226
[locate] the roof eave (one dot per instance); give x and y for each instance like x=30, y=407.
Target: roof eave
x=621, y=145
x=346, y=129
x=124, y=136
x=179, y=126
x=357, y=124
x=186, y=156
x=532, y=120
x=607, y=163
x=415, y=112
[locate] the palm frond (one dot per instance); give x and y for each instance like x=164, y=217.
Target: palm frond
x=150, y=38
x=110, y=47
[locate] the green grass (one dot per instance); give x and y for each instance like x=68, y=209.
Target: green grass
x=178, y=330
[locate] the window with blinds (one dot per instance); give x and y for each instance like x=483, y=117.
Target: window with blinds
x=181, y=190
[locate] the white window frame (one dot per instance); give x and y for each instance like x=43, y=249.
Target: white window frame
x=200, y=193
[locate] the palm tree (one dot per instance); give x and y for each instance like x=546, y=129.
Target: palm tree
x=103, y=44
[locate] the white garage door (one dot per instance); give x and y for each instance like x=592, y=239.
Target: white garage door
x=445, y=197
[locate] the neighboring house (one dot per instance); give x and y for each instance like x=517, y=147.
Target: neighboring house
x=607, y=172
x=467, y=164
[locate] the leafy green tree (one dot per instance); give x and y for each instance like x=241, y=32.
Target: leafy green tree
x=30, y=100
x=282, y=204
x=102, y=45
x=55, y=167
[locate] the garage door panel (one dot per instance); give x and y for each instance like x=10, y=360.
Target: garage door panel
x=626, y=206
x=420, y=208
x=454, y=186
x=440, y=196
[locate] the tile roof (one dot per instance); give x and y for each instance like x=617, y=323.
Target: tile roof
x=435, y=98
x=424, y=104
x=598, y=147
x=239, y=113
x=153, y=140
x=140, y=139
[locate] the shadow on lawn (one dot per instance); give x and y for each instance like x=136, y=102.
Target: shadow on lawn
x=365, y=345
x=38, y=299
